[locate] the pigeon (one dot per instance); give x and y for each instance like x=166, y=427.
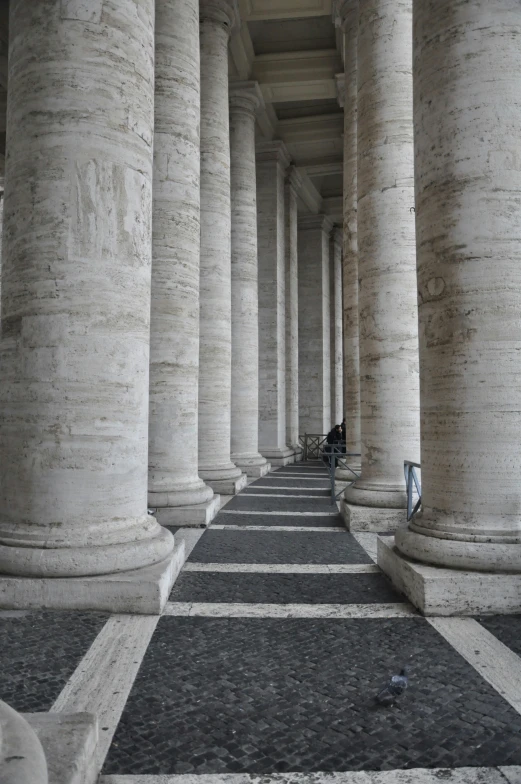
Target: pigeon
x=394, y=689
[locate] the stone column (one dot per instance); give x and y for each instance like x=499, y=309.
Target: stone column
x=386, y=265
x=174, y=487
x=76, y=296
x=467, y=114
x=314, y=327
x=335, y=272
x=245, y=99
x=215, y=372
x=272, y=162
x=349, y=22
x=291, y=189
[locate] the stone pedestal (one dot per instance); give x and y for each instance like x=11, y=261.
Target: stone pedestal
x=370, y=518
x=291, y=189
x=245, y=99
x=175, y=490
x=389, y=380
x=314, y=329
x=442, y=591
x=76, y=296
x=272, y=162
x=466, y=59
x=215, y=466
x=336, y=310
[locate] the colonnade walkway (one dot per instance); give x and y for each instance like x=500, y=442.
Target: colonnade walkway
x=276, y=637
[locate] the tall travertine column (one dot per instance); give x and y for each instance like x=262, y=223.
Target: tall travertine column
x=348, y=13
x=215, y=465
x=76, y=292
x=467, y=115
x=174, y=487
x=272, y=162
x=314, y=327
x=291, y=189
x=245, y=99
x=386, y=255
x=335, y=271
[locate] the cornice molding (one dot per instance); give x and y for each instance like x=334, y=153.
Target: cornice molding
x=267, y=152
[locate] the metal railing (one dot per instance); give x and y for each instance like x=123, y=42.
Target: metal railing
x=413, y=486
x=338, y=458
x=314, y=446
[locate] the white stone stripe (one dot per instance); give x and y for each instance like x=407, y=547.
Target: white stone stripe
x=292, y=478
x=368, y=542
x=494, y=661
x=244, y=610
x=283, y=568
x=321, y=529
x=190, y=536
x=102, y=680
x=285, y=495
x=505, y=775
x=271, y=487
x=290, y=514
x=300, y=475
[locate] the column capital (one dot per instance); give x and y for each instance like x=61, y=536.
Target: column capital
x=246, y=96
x=273, y=151
x=223, y=12
x=294, y=179
x=344, y=13
x=337, y=235
x=310, y=222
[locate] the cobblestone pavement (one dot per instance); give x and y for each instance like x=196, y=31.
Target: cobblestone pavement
x=300, y=521
x=264, y=695
x=39, y=651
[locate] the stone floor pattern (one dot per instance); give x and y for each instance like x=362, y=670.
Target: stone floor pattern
x=265, y=662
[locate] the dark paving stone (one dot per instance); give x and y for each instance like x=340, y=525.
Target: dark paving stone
x=289, y=482
x=39, y=651
x=243, y=503
x=283, y=588
x=324, y=493
x=278, y=547
x=302, y=521
x=507, y=628
x=271, y=695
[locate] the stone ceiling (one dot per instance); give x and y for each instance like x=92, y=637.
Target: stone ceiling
x=293, y=50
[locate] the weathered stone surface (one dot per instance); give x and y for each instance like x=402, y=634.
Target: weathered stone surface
x=336, y=313
x=468, y=183
x=69, y=742
x=174, y=329
x=348, y=14
x=291, y=188
x=22, y=758
x=389, y=379
x=215, y=466
x=272, y=162
x=314, y=329
x=245, y=99
x=371, y=518
x=76, y=293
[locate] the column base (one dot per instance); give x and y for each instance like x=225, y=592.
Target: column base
x=140, y=591
x=376, y=519
x=69, y=741
x=279, y=457
x=255, y=471
x=439, y=591
x=228, y=486
x=341, y=475
x=253, y=466
x=193, y=516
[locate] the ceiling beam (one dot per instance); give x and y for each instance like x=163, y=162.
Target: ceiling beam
x=297, y=76
x=258, y=10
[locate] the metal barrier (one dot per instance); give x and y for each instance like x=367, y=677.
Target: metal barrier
x=338, y=459
x=412, y=483
x=314, y=446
